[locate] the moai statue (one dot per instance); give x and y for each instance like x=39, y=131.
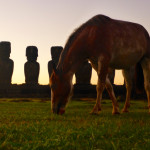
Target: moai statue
x=6, y=64
x=31, y=67
x=111, y=75
x=55, y=53
x=83, y=74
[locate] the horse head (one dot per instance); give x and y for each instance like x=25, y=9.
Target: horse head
x=61, y=88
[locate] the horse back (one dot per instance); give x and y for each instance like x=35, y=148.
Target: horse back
x=120, y=40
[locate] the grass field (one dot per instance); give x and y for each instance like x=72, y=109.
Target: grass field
x=29, y=124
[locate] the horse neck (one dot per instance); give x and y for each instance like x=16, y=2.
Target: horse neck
x=70, y=60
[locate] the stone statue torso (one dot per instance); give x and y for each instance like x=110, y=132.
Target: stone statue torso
x=31, y=72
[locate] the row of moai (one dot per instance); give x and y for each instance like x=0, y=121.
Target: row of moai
x=32, y=67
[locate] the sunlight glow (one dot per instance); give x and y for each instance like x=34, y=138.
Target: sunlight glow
x=48, y=23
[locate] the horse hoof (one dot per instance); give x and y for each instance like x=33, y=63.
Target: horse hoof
x=125, y=111
x=95, y=112
x=116, y=113
x=99, y=109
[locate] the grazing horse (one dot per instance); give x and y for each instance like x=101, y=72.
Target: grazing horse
x=106, y=43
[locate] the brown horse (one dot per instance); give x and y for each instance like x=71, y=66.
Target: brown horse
x=106, y=43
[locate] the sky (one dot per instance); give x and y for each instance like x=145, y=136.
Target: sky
x=46, y=23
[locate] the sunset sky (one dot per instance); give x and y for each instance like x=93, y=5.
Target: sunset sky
x=46, y=23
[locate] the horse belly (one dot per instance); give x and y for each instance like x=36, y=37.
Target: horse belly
x=125, y=60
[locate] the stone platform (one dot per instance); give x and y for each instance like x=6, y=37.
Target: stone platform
x=43, y=91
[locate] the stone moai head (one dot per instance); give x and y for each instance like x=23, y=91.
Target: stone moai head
x=55, y=53
x=32, y=53
x=5, y=50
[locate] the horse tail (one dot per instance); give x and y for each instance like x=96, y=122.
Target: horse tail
x=139, y=79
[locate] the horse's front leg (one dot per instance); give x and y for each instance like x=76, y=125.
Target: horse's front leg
x=100, y=88
x=102, y=73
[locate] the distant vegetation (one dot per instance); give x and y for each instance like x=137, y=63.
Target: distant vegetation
x=29, y=124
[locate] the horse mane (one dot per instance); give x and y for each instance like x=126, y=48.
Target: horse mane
x=95, y=21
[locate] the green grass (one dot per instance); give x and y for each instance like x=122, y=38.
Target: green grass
x=29, y=124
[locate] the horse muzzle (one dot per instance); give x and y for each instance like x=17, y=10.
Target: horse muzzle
x=58, y=111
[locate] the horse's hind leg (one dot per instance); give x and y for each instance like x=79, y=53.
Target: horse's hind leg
x=112, y=96
x=128, y=76
x=146, y=71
